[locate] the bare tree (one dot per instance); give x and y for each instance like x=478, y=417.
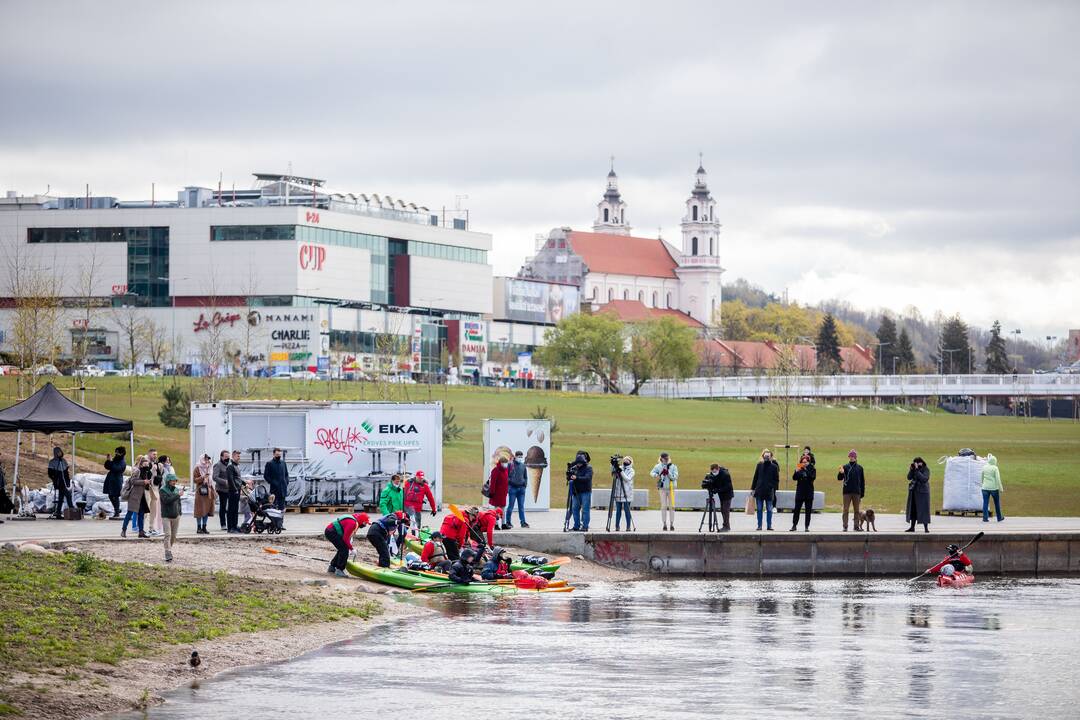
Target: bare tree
x=391, y=350
x=156, y=340
x=782, y=399
x=252, y=335
x=80, y=348
x=35, y=323
x=212, y=342
x=132, y=325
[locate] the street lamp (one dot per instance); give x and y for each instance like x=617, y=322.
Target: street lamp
x=942, y=358
x=877, y=355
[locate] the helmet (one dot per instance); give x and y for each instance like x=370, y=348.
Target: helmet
x=497, y=551
x=948, y=570
x=952, y=549
x=468, y=555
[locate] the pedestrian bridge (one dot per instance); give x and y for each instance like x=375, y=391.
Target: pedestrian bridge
x=1050, y=385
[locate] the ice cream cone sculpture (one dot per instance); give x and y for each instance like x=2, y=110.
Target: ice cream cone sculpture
x=535, y=463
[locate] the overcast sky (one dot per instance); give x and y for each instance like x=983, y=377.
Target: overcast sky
x=886, y=154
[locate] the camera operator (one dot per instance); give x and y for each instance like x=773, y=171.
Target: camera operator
x=666, y=474
x=718, y=482
x=624, y=489
x=580, y=475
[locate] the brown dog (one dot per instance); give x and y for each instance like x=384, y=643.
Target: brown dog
x=866, y=520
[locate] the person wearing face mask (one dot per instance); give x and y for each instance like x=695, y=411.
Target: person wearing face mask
x=854, y=480
x=498, y=484
x=918, y=496
x=580, y=476
x=719, y=482
x=666, y=474
x=624, y=492
x=276, y=474
x=804, y=476
x=517, y=481
x=392, y=497
x=60, y=474
x=766, y=481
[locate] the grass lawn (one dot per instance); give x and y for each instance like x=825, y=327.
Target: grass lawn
x=1036, y=456
x=70, y=610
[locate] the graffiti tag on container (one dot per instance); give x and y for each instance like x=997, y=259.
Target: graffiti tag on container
x=340, y=440
x=619, y=555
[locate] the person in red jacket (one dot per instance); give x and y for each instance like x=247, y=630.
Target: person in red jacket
x=486, y=522
x=499, y=484
x=434, y=553
x=417, y=490
x=959, y=561
x=455, y=535
x=340, y=533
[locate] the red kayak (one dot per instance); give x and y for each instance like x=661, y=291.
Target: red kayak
x=956, y=580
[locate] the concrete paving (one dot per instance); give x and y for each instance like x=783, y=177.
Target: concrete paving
x=544, y=523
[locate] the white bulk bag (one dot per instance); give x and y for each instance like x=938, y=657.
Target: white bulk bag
x=963, y=483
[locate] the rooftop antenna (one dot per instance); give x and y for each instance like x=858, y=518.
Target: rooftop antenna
x=700, y=159
x=612, y=163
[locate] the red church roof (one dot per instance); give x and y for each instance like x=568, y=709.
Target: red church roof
x=636, y=311
x=623, y=254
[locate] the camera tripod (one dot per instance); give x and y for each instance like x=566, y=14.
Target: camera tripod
x=710, y=514
x=617, y=478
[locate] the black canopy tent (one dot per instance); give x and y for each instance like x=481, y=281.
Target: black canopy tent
x=48, y=411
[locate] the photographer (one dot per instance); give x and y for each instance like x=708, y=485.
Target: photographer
x=624, y=489
x=804, y=476
x=580, y=476
x=666, y=474
x=718, y=482
x=918, y=495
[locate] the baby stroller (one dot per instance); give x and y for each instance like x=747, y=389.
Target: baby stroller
x=264, y=516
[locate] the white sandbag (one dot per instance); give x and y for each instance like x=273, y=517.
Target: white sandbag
x=90, y=482
x=963, y=483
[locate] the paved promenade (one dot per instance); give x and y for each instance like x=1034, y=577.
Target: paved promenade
x=544, y=523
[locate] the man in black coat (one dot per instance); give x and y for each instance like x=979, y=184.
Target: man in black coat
x=581, y=479
x=804, y=476
x=276, y=474
x=854, y=480
x=235, y=481
x=114, y=480
x=719, y=481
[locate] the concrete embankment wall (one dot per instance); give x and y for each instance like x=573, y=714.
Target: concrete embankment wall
x=829, y=554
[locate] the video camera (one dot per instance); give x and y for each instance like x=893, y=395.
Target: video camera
x=712, y=483
x=616, y=460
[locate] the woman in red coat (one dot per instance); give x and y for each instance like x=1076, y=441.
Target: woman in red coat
x=499, y=484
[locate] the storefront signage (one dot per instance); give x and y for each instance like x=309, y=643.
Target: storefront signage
x=216, y=320
x=312, y=257
x=311, y=217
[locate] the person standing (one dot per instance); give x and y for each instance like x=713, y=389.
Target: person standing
x=60, y=474
x=517, y=480
x=391, y=499
x=114, y=478
x=804, y=476
x=624, y=492
x=417, y=490
x=276, y=474
x=719, y=478
x=666, y=475
x=221, y=485
x=854, y=486
x=134, y=492
x=340, y=534
x=991, y=488
x=170, y=512
x=581, y=480
x=153, y=494
x=498, y=486
x=205, y=494
x=918, y=495
x=766, y=481
x=235, y=482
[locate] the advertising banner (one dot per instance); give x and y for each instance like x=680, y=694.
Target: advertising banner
x=538, y=302
x=473, y=344
x=502, y=438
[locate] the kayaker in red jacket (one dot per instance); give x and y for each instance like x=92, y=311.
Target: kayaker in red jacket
x=434, y=552
x=417, y=490
x=486, y=522
x=959, y=560
x=499, y=483
x=340, y=533
x=455, y=535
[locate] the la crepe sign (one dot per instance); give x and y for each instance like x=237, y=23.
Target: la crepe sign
x=216, y=320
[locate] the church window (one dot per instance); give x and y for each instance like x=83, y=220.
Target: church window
x=693, y=246
x=610, y=294
x=654, y=298
x=712, y=251
x=622, y=216
x=694, y=210
x=641, y=296
x=667, y=301
x=605, y=214
x=625, y=294
x=595, y=292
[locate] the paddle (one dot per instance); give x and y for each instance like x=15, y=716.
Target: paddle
x=272, y=551
x=978, y=536
x=456, y=512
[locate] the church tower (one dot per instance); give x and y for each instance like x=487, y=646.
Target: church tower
x=699, y=268
x=611, y=211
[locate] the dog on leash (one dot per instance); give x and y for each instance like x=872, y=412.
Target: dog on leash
x=866, y=520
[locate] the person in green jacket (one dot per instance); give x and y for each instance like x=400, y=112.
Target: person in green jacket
x=991, y=488
x=170, y=496
x=392, y=497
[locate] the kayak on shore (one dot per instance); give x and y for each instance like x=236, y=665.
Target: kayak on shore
x=417, y=546
x=419, y=582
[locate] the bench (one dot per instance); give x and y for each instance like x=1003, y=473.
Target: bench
x=785, y=500
x=600, y=499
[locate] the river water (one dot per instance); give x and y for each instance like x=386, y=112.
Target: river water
x=1005, y=648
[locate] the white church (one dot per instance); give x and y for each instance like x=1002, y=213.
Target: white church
x=637, y=278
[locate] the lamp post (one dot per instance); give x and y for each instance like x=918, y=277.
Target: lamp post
x=942, y=358
x=877, y=355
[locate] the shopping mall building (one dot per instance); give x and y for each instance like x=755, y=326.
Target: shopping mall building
x=287, y=275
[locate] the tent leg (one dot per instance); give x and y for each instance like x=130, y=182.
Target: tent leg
x=73, y=455
x=15, y=483
x=131, y=439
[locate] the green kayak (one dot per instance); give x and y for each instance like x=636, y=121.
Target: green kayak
x=417, y=546
x=412, y=581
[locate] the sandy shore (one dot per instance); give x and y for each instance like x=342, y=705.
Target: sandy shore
x=94, y=689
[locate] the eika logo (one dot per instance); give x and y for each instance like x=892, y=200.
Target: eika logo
x=397, y=429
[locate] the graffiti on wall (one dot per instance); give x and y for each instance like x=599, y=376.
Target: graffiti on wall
x=341, y=440
x=619, y=555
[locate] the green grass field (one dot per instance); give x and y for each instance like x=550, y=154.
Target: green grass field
x=1036, y=456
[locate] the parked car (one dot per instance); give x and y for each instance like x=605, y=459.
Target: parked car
x=47, y=369
x=88, y=371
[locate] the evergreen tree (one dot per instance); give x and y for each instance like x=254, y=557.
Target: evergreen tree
x=954, y=348
x=828, y=346
x=904, y=352
x=888, y=346
x=176, y=412
x=997, y=357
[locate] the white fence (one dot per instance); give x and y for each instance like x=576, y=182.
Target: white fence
x=857, y=386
